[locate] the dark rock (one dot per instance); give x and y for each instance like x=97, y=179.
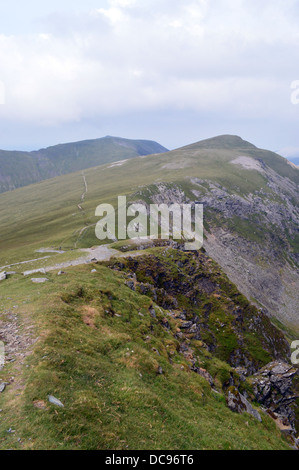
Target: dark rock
x=186, y=325
x=131, y=285
x=156, y=351
x=143, y=289
x=205, y=374
x=165, y=323
x=152, y=312
x=273, y=388
x=182, y=316
x=2, y=386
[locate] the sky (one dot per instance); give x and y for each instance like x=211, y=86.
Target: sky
x=174, y=71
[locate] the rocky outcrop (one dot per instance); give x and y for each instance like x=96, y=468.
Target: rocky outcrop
x=252, y=234
x=205, y=374
x=191, y=286
x=210, y=314
x=273, y=388
x=239, y=404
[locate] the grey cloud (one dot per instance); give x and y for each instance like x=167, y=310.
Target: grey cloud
x=231, y=58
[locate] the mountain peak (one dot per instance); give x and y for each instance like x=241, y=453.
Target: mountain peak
x=225, y=141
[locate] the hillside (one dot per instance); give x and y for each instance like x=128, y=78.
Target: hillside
x=251, y=212
x=19, y=169
x=142, y=353
x=155, y=346
x=221, y=142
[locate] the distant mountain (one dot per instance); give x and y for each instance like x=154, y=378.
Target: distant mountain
x=221, y=142
x=164, y=339
x=251, y=215
x=19, y=169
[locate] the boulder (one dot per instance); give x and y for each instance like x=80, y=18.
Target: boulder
x=3, y=386
x=55, y=401
x=186, y=325
x=205, y=374
x=34, y=271
x=239, y=404
x=39, y=280
x=273, y=388
x=131, y=285
x=152, y=312
x=3, y=276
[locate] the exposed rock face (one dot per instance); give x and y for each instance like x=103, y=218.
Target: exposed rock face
x=210, y=314
x=252, y=240
x=239, y=404
x=252, y=235
x=273, y=388
x=258, y=271
x=193, y=291
x=205, y=374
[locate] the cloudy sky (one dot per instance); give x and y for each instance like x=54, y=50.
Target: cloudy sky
x=175, y=71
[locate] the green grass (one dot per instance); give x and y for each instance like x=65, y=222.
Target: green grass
x=23, y=168
x=114, y=399
x=47, y=213
x=105, y=373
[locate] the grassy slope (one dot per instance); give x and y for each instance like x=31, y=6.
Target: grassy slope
x=19, y=169
x=93, y=370
x=47, y=213
x=104, y=369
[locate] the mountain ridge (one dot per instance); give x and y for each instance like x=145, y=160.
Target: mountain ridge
x=18, y=168
x=251, y=213
x=223, y=141
x=158, y=321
